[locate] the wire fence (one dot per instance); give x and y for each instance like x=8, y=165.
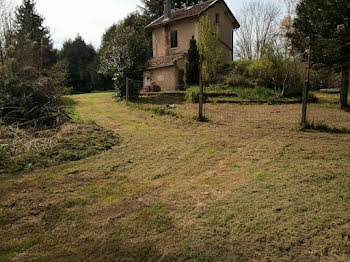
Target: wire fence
x=232, y=111
x=132, y=88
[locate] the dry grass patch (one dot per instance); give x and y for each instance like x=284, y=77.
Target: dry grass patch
x=246, y=186
x=26, y=150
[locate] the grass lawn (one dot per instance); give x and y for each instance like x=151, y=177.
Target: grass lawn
x=246, y=186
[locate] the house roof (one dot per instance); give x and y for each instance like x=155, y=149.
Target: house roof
x=165, y=61
x=187, y=12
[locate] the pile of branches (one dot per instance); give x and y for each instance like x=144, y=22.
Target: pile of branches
x=30, y=104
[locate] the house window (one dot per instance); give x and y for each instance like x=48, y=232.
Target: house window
x=217, y=18
x=173, y=39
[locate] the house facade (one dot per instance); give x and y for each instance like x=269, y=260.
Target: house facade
x=171, y=35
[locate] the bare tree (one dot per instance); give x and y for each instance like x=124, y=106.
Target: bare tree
x=291, y=6
x=259, y=26
x=6, y=27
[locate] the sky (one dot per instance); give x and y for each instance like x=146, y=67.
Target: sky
x=90, y=18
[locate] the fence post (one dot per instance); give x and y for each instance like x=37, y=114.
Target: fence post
x=305, y=97
x=200, y=115
x=306, y=90
x=127, y=91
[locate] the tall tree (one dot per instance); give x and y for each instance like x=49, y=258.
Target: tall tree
x=209, y=48
x=192, y=64
x=79, y=56
x=6, y=30
x=124, y=52
x=33, y=41
x=324, y=25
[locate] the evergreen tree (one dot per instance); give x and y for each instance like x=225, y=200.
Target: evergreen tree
x=324, y=24
x=79, y=56
x=192, y=64
x=33, y=43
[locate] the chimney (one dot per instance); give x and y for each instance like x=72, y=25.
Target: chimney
x=167, y=9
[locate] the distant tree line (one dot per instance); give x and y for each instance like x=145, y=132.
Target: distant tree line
x=82, y=63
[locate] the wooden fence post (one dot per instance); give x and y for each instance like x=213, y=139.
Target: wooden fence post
x=200, y=115
x=127, y=91
x=306, y=90
x=305, y=97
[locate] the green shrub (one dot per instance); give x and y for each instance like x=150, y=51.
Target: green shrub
x=223, y=67
x=192, y=94
x=243, y=67
x=4, y=159
x=238, y=80
x=158, y=110
x=257, y=93
x=312, y=98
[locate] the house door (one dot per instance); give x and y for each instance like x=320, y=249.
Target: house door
x=181, y=79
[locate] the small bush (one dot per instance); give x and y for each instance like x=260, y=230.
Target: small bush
x=192, y=94
x=158, y=110
x=257, y=93
x=243, y=67
x=238, y=80
x=224, y=67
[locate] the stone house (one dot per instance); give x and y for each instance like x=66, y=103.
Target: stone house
x=171, y=35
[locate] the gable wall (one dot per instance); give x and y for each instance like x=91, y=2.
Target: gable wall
x=185, y=30
x=225, y=27
x=190, y=27
x=161, y=37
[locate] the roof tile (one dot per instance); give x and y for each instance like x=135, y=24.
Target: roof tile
x=182, y=13
x=164, y=61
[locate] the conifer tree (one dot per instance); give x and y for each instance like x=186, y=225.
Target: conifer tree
x=192, y=64
x=79, y=57
x=33, y=41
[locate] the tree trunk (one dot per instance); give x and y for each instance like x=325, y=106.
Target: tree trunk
x=284, y=85
x=344, y=88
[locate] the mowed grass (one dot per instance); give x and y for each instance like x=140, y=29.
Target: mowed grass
x=246, y=186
